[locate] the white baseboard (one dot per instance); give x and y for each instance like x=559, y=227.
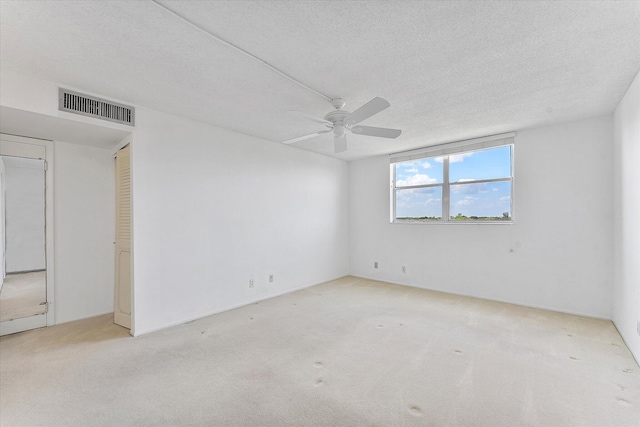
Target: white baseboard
x=540, y=307
x=223, y=309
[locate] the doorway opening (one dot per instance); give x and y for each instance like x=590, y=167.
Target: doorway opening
x=25, y=238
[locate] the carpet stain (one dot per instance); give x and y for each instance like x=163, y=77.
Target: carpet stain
x=627, y=371
x=319, y=382
x=569, y=335
x=573, y=358
x=458, y=352
x=622, y=401
x=318, y=364
x=415, y=411
x=379, y=326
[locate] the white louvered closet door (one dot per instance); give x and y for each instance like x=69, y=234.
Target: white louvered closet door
x=122, y=303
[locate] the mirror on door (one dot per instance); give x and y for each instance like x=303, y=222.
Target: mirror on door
x=22, y=238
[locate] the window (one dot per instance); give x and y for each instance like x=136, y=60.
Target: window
x=453, y=183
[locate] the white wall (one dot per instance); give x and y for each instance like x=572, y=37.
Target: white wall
x=626, y=300
x=41, y=96
x=558, y=253
x=84, y=231
x=213, y=208
x=2, y=228
x=24, y=210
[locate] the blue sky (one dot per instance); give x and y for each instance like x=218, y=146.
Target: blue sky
x=484, y=199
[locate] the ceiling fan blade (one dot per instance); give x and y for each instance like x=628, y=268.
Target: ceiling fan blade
x=340, y=143
x=309, y=117
x=374, y=131
x=367, y=110
x=302, y=138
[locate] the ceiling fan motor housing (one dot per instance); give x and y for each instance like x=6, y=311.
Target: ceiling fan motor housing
x=340, y=121
x=337, y=117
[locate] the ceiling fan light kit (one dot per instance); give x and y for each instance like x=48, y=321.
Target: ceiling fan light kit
x=340, y=121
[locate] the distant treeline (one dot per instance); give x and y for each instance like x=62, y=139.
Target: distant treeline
x=505, y=217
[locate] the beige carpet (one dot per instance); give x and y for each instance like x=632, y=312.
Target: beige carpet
x=22, y=294
x=351, y=352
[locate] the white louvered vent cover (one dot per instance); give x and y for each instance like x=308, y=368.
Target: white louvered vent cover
x=78, y=103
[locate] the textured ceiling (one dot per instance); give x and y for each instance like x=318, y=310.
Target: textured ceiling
x=451, y=70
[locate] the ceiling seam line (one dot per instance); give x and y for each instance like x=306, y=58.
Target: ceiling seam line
x=231, y=45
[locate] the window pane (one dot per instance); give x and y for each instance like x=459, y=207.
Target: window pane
x=419, y=172
x=481, y=202
x=485, y=164
x=419, y=204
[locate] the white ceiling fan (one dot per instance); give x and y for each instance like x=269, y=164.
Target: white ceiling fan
x=341, y=121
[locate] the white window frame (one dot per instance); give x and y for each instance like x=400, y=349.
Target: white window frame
x=446, y=150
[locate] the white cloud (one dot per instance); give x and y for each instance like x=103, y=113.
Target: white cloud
x=505, y=198
x=469, y=189
x=403, y=197
x=407, y=206
x=412, y=193
x=468, y=200
x=414, y=165
x=417, y=179
x=433, y=202
x=465, y=180
x=455, y=158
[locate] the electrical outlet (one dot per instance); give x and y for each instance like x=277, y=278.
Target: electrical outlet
x=271, y=278
x=375, y=264
x=404, y=268
x=251, y=283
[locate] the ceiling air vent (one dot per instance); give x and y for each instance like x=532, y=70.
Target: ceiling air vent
x=86, y=105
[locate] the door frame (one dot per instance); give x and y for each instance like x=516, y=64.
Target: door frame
x=120, y=318
x=20, y=146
